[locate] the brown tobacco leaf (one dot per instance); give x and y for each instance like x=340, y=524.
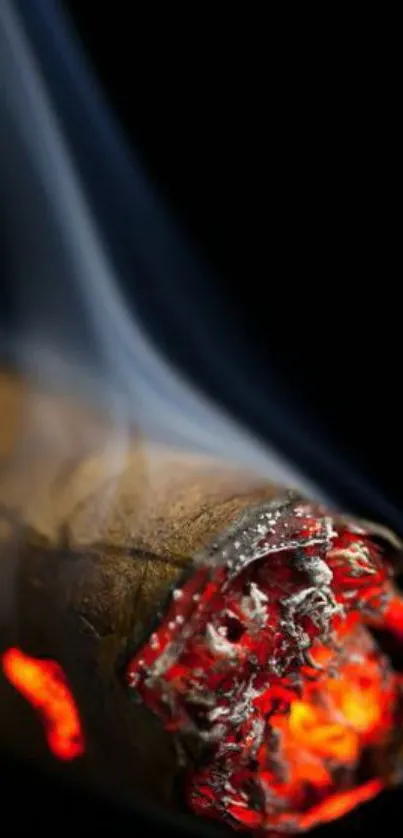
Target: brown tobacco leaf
x=95, y=528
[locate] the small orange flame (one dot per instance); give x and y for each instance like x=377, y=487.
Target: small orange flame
x=331, y=723
x=43, y=683
x=312, y=729
x=340, y=804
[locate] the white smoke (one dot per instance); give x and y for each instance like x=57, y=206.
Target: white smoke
x=76, y=333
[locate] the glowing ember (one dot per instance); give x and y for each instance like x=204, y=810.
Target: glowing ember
x=339, y=804
x=43, y=683
x=265, y=656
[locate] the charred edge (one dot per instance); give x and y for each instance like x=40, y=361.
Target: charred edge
x=215, y=554
x=244, y=529
x=134, y=645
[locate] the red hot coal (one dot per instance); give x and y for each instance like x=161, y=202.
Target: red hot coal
x=266, y=655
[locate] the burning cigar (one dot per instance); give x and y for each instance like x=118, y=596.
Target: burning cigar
x=90, y=549
x=215, y=633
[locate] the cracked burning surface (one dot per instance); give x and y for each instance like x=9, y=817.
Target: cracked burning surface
x=265, y=655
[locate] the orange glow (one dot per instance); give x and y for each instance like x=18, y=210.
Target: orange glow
x=340, y=804
x=43, y=683
x=312, y=729
x=330, y=724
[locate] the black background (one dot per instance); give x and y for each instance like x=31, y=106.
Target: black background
x=277, y=153
x=278, y=157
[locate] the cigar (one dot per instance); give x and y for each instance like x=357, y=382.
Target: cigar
x=219, y=634
x=92, y=542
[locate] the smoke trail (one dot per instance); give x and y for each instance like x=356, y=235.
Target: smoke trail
x=75, y=332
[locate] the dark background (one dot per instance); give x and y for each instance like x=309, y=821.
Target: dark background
x=278, y=158
x=276, y=152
